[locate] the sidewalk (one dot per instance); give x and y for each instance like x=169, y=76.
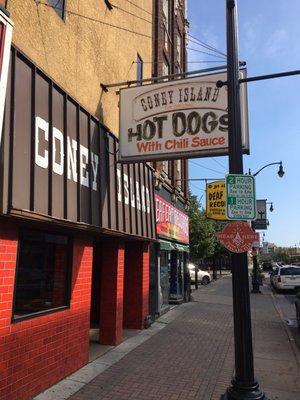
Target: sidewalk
x=188, y=354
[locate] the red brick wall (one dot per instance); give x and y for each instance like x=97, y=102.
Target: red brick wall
x=59, y=274
x=36, y=353
x=136, y=285
x=112, y=282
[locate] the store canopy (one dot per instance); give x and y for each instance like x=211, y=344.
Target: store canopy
x=168, y=246
x=181, y=247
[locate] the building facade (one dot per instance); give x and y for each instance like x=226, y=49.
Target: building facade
x=171, y=189
x=79, y=230
x=76, y=226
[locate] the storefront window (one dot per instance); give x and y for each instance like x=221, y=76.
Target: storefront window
x=43, y=273
x=165, y=276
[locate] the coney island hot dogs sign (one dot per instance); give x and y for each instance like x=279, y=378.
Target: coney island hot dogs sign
x=178, y=119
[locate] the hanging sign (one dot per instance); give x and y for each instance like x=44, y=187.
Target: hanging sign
x=6, y=29
x=238, y=237
x=170, y=222
x=261, y=215
x=216, y=200
x=178, y=119
x=240, y=197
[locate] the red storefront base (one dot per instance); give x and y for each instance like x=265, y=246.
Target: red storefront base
x=38, y=352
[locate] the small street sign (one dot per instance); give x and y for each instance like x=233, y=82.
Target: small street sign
x=240, y=197
x=215, y=200
x=237, y=236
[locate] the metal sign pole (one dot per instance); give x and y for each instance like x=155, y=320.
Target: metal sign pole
x=244, y=386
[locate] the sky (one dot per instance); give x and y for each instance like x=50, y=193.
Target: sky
x=269, y=43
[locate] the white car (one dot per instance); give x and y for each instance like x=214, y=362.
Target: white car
x=203, y=276
x=286, y=277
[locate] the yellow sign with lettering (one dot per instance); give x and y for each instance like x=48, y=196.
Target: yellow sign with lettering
x=216, y=200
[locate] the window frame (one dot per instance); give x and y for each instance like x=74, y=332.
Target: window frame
x=68, y=284
x=179, y=52
x=166, y=64
x=166, y=24
x=139, y=62
x=63, y=16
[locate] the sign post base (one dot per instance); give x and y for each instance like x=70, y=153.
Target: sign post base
x=244, y=391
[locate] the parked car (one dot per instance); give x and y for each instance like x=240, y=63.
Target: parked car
x=203, y=276
x=267, y=266
x=285, y=277
x=270, y=266
x=297, y=305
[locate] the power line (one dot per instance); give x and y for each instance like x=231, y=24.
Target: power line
x=218, y=162
x=204, y=52
x=132, y=14
x=98, y=20
x=197, y=187
x=203, y=166
x=203, y=61
x=188, y=62
x=207, y=45
x=200, y=51
x=141, y=8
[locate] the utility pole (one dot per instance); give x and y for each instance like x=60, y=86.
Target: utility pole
x=244, y=385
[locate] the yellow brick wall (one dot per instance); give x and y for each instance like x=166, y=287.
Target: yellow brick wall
x=81, y=52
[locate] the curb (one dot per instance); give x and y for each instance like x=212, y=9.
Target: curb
x=287, y=331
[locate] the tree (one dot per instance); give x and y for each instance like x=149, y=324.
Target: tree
x=202, y=232
x=281, y=255
x=204, y=244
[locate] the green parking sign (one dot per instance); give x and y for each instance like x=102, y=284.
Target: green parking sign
x=240, y=197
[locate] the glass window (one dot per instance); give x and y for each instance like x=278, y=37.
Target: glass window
x=166, y=22
x=165, y=275
x=58, y=6
x=179, y=49
x=290, y=271
x=165, y=67
x=178, y=181
x=139, y=69
x=43, y=273
x=165, y=167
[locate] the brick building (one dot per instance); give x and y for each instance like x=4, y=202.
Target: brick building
x=171, y=190
x=76, y=226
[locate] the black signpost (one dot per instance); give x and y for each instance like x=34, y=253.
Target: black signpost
x=244, y=386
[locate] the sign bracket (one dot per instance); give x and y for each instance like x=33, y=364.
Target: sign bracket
x=262, y=77
x=106, y=86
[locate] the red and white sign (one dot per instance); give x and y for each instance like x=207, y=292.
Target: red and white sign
x=170, y=222
x=6, y=28
x=238, y=237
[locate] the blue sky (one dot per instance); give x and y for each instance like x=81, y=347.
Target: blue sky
x=269, y=41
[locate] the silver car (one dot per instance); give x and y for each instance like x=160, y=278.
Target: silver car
x=203, y=276
x=285, y=277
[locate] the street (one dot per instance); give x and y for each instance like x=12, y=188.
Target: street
x=285, y=302
x=191, y=354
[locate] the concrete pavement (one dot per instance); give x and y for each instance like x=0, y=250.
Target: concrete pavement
x=189, y=354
